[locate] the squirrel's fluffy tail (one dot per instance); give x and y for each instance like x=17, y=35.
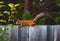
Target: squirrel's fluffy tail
x=42, y=14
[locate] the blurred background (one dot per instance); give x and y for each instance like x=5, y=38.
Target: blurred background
x=12, y=10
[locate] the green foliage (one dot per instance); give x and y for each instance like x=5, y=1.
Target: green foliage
x=20, y=1
x=5, y=33
x=1, y=20
x=42, y=21
x=9, y=25
x=13, y=6
x=26, y=16
x=2, y=4
x=8, y=15
x=7, y=12
x=1, y=39
x=57, y=20
x=1, y=30
x=55, y=14
x=1, y=14
x=58, y=1
x=13, y=12
x=11, y=18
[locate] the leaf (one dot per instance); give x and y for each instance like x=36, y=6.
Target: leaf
x=11, y=5
x=1, y=6
x=3, y=20
x=11, y=17
x=17, y=5
x=1, y=2
x=7, y=12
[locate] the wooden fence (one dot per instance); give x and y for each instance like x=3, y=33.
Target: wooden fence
x=35, y=33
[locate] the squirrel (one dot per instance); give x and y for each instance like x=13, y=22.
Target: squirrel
x=32, y=22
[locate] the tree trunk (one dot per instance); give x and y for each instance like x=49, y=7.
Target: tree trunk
x=28, y=5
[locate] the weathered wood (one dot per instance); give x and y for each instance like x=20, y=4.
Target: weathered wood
x=38, y=33
x=13, y=33
x=34, y=33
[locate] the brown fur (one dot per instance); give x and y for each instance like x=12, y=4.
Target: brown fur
x=25, y=22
